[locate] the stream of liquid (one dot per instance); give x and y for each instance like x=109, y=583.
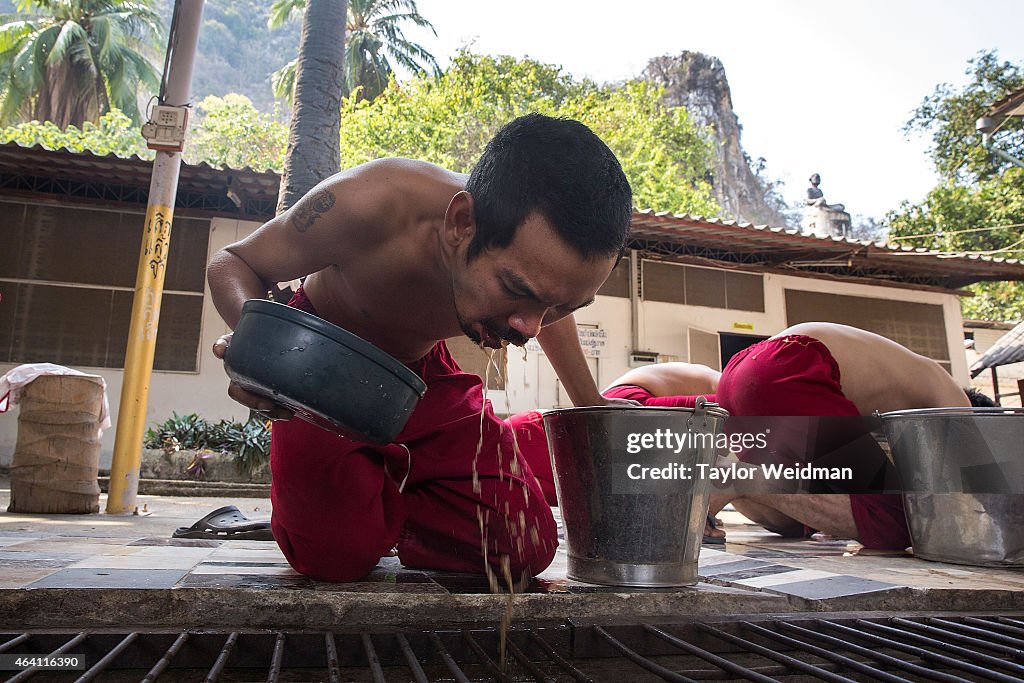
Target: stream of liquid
x=517, y=527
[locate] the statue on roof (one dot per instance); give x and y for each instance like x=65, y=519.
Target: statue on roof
x=815, y=197
x=820, y=217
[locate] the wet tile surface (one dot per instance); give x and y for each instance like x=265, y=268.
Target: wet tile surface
x=831, y=587
x=110, y=552
x=111, y=578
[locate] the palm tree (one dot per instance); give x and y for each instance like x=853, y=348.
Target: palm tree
x=314, y=134
x=373, y=34
x=70, y=61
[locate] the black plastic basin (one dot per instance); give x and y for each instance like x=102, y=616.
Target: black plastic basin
x=326, y=375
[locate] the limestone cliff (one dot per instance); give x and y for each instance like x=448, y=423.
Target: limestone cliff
x=697, y=82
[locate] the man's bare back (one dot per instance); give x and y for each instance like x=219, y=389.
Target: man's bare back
x=878, y=374
x=368, y=238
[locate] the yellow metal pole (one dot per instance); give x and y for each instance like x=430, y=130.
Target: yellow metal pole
x=149, y=279
x=138, y=362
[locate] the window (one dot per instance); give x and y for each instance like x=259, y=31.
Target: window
x=67, y=275
x=664, y=282
x=695, y=286
x=705, y=287
x=744, y=292
x=919, y=327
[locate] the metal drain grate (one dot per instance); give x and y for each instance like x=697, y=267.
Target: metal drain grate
x=829, y=648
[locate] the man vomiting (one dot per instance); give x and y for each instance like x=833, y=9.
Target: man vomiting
x=406, y=254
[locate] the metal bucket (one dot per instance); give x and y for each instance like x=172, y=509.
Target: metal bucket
x=626, y=532
x=962, y=472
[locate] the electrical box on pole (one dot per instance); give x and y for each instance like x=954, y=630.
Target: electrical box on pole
x=165, y=129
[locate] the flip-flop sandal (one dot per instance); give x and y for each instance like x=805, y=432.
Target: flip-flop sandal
x=227, y=523
x=713, y=540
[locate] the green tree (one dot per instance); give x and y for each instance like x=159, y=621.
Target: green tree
x=374, y=44
x=450, y=119
x=230, y=132
x=665, y=156
x=978, y=207
x=949, y=114
x=70, y=61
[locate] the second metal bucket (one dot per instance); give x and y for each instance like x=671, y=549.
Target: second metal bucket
x=962, y=471
x=623, y=531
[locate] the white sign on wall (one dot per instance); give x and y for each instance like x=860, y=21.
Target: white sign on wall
x=592, y=340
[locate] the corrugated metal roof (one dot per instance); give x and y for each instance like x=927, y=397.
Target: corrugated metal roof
x=39, y=171
x=1008, y=349
x=1011, y=105
x=258, y=188
x=789, y=249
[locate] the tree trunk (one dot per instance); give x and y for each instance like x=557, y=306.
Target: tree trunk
x=313, y=137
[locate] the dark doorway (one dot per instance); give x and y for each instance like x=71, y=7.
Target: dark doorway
x=731, y=344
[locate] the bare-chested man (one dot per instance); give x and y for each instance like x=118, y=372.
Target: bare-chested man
x=828, y=369
x=406, y=254
x=808, y=369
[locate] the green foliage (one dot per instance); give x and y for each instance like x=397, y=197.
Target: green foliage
x=115, y=134
x=230, y=132
x=449, y=120
x=664, y=155
x=985, y=218
x=249, y=441
x=948, y=115
x=978, y=208
x=72, y=61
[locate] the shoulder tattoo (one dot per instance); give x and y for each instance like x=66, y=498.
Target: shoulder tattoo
x=308, y=210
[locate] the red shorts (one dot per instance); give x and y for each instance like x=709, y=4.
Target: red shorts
x=797, y=375
x=533, y=444
x=340, y=504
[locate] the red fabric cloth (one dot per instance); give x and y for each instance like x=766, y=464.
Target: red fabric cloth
x=644, y=397
x=797, y=375
x=533, y=444
x=338, y=506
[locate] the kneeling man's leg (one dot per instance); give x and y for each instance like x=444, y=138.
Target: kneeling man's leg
x=336, y=512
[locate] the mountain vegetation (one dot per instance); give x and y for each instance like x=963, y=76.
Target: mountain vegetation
x=239, y=52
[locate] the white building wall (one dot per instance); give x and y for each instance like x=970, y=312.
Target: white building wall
x=203, y=392
x=663, y=329
x=531, y=381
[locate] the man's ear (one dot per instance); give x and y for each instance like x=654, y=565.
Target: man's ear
x=459, y=220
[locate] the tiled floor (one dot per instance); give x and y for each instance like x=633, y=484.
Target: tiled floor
x=103, y=551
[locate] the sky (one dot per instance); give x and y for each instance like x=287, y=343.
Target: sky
x=820, y=87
